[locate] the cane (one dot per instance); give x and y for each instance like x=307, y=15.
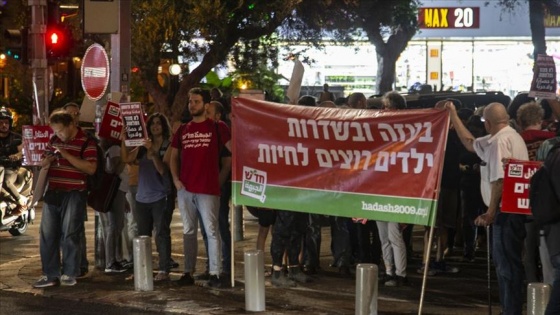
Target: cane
x=488, y=269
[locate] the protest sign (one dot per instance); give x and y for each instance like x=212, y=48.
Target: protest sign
x=544, y=78
x=381, y=165
x=133, y=120
x=35, y=140
x=111, y=124
x=515, y=194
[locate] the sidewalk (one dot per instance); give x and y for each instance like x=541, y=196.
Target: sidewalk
x=329, y=293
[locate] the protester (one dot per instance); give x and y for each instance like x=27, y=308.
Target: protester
x=64, y=203
x=195, y=159
x=502, y=142
x=154, y=186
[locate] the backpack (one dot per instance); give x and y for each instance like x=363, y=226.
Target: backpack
x=543, y=196
x=94, y=181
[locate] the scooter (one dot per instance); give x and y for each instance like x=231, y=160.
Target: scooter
x=17, y=224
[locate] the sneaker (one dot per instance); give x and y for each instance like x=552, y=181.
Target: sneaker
x=280, y=280
x=45, y=282
x=202, y=276
x=396, y=281
x=186, y=279
x=115, y=268
x=127, y=264
x=67, y=281
x=298, y=276
x=431, y=270
x=214, y=282
x=173, y=264
x=442, y=267
x=161, y=276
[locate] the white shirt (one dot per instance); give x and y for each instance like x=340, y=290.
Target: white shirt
x=507, y=143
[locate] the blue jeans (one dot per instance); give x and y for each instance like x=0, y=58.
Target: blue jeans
x=113, y=223
x=191, y=206
x=508, y=235
x=223, y=224
x=150, y=216
x=62, y=224
x=553, y=306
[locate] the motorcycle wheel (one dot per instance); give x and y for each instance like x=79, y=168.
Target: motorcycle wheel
x=20, y=227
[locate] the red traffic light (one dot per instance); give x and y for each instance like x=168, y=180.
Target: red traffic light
x=58, y=41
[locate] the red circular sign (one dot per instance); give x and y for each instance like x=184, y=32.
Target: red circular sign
x=95, y=72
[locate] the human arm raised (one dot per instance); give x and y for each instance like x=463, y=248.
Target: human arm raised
x=466, y=137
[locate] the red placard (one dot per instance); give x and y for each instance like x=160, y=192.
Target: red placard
x=95, y=72
x=111, y=125
x=515, y=194
x=135, y=127
x=35, y=140
x=449, y=17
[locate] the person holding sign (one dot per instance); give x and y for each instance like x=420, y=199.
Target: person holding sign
x=502, y=142
x=154, y=187
x=195, y=167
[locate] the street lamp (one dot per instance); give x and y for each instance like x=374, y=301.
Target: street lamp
x=174, y=69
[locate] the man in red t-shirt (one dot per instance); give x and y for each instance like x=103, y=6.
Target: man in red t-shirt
x=64, y=203
x=195, y=167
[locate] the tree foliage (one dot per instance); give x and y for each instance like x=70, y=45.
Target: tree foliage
x=210, y=29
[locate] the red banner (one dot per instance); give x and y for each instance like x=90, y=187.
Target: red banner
x=515, y=194
x=111, y=124
x=35, y=140
x=356, y=163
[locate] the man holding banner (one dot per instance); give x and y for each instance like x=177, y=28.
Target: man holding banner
x=502, y=142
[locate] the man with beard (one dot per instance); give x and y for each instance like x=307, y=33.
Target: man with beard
x=195, y=168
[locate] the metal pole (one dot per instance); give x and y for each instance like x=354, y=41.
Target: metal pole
x=488, y=270
x=143, y=276
x=427, y=253
x=99, y=244
x=366, y=289
x=38, y=60
x=254, y=281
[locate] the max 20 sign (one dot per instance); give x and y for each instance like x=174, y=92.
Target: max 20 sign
x=449, y=17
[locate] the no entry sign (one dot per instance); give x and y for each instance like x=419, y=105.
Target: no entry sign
x=95, y=72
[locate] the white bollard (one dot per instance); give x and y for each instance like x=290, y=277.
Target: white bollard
x=538, y=295
x=143, y=274
x=254, y=281
x=366, y=289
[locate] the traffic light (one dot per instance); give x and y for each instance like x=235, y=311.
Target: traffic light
x=58, y=42
x=17, y=44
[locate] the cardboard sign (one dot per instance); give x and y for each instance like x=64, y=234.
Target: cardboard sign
x=379, y=165
x=135, y=127
x=515, y=194
x=35, y=140
x=111, y=124
x=544, y=78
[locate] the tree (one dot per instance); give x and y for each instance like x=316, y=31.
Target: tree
x=210, y=29
x=388, y=25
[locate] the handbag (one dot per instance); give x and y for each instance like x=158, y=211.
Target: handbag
x=102, y=198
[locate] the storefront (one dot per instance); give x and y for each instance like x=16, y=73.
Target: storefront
x=461, y=45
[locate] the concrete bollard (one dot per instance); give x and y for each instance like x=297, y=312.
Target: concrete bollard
x=254, y=281
x=366, y=289
x=143, y=274
x=538, y=295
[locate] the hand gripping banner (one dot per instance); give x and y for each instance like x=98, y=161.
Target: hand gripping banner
x=380, y=165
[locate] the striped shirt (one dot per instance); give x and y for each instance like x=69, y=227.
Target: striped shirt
x=63, y=175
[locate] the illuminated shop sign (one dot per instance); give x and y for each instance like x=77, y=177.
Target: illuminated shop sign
x=463, y=17
x=552, y=21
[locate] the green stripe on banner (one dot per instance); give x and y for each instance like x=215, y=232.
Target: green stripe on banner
x=374, y=207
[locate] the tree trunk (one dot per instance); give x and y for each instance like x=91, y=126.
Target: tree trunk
x=536, y=20
x=386, y=67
